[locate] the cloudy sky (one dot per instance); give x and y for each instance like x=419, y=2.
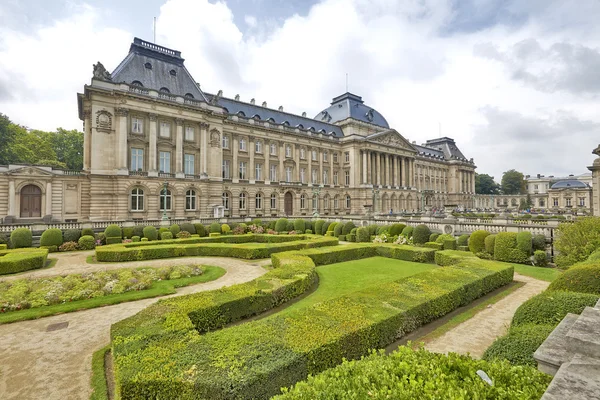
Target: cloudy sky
x=516, y=83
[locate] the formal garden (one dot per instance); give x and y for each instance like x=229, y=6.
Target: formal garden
x=310, y=324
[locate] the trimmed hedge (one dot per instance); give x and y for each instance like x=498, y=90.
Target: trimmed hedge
x=540, y=258
x=299, y=225
x=21, y=238
x=450, y=244
x=175, y=229
x=434, y=245
x=539, y=242
x=362, y=235
x=337, y=231
x=87, y=232
x=348, y=226
x=319, y=227
x=408, y=231
x=433, y=237
x=200, y=230
x=463, y=240
x=477, y=241
x=351, y=237
x=166, y=236
x=505, y=248
x=187, y=227
x=583, y=277
x=524, y=242
x=51, y=237
x=3, y=247
x=397, y=229
x=71, y=235
x=215, y=227
x=151, y=233
x=442, y=237
x=113, y=231
x=19, y=260
x=549, y=308
x=446, y=258
x=154, y=349
x=127, y=232
x=281, y=225
x=87, y=243
x=519, y=345
x=421, y=234
x=490, y=243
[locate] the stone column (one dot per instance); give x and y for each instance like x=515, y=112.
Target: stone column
x=378, y=166
x=473, y=182
x=87, y=140
x=296, y=155
x=49, y=198
x=388, y=168
x=369, y=168
x=121, y=152
x=152, y=159
x=267, y=166
x=235, y=168
x=364, y=167
x=309, y=172
x=12, y=198
x=412, y=173
x=320, y=174
x=204, y=148
x=281, y=176
x=251, y=169
x=179, y=148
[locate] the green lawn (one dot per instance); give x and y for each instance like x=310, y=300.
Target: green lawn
x=541, y=273
x=336, y=280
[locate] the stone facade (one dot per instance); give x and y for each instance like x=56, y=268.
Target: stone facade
x=148, y=126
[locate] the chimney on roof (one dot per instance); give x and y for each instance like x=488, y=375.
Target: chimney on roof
x=571, y=175
x=280, y=108
x=252, y=101
x=304, y=114
x=539, y=176
x=527, y=176
x=264, y=104
x=237, y=97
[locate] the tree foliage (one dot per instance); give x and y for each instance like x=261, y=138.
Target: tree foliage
x=485, y=184
x=513, y=182
x=576, y=241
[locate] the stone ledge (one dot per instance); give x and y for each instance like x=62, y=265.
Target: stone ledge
x=576, y=380
x=584, y=337
x=555, y=351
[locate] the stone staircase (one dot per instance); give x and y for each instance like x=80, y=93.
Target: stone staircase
x=572, y=355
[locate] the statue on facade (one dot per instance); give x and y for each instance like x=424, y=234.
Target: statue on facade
x=596, y=151
x=101, y=73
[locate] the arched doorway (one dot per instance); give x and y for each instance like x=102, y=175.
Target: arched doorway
x=288, y=203
x=31, y=202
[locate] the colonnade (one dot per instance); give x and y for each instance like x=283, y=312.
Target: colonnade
x=384, y=169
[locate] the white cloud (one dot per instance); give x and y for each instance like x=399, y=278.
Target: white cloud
x=250, y=20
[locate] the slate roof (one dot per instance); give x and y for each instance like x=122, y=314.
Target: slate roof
x=349, y=105
x=167, y=70
x=428, y=151
x=235, y=107
x=569, y=183
x=446, y=146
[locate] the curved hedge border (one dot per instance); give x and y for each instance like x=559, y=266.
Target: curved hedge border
x=19, y=260
x=243, y=246
x=159, y=354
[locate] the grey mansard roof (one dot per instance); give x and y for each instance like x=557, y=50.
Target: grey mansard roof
x=166, y=70
x=444, y=146
x=349, y=105
x=569, y=183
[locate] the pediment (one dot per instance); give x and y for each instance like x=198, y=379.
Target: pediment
x=29, y=171
x=391, y=138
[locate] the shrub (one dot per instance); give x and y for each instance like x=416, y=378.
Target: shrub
x=51, y=237
x=166, y=235
x=490, y=243
x=138, y=230
x=71, y=235
x=187, y=227
x=519, y=345
x=477, y=241
x=239, y=230
x=272, y=224
x=383, y=229
x=308, y=224
x=215, y=227
x=348, y=226
x=524, y=242
x=408, y=232
x=174, y=229
x=351, y=237
x=113, y=240
x=433, y=245
x=331, y=227
x=150, y=233
x=463, y=240
x=200, y=231
x=135, y=239
x=225, y=229
x=101, y=238
x=583, y=277
x=88, y=232
x=445, y=236
x=418, y=374
x=505, y=248
x=214, y=234
x=362, y=235
x=21, y=237
x=450, y=244
x=68, y=246
x=12, y=261
x=183, y=235
x=308, y=232
x=421, y=234
x=128, y=232
x=87, y=242
x=549, y=307
x=113, y=231
x=289, y=226
x=144, y=239
x=3, y=246
x=299, y=225
x=433, y=237
x=281, y=225
x=576, y=241
x=540, y=258
x=396, y=229
x=372, y=229
x=463, y=248
x=337, y=231
x=325, y=227
x=538, y=242
x=319, y=227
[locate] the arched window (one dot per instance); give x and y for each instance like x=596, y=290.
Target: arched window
x=226, y=200
x=137, y=83
x=348, y=201
x=259, y=201
x=165, y=200
x=190, y=200
x=241, y=114
x=273, y=201
x=242, y=201
x=137, y=199
x=164, y=90
x=303, y=201
x=189, y=95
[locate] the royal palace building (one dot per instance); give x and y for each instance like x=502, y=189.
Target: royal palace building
x=155, y=143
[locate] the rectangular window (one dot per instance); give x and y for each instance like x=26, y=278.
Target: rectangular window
x=336, y=202
x=347, y=178
x=302, y=154
x=568, y=202
x=273, y=149
x=273, y=173
x=258, y=146
x=226, y=169
x=302, y=175
x=188, y=164
x=137, y=125
x=288, y=174
x=225, y=142
x=582, y=201
x=314, y=155
x=189, y=133
x=335, y=157
x=288, y=151
x=325, y=177
x=347, y=156
x=314, y=176
x=258, y=172
x=242, y=144
x=273, y=201
x=164, y=162
x=535, y=187
x=555, y=201
x=325, y=156
x=242, y=170
x=165, y=129
x=137, y=159
x=335, y=178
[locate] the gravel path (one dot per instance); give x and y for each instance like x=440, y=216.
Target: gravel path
x=475, y=335
x=37, y=364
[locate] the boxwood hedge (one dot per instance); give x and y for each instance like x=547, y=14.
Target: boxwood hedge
x=477, y=241
x=19, y=260
x=158, y=353
x=549, y=308
x=21, y=238
x=506, y=248
x=583, y=277
x=519, y=345
x=51, y=237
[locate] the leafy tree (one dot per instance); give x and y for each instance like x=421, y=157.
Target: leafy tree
x=30, y=147
x=68, y=146
x=7, y=135
x=513, y=182
x=484, y=184
x=576, y=241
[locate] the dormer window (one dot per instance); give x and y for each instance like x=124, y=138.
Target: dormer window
x=173, y=72
x=137, y=83
x=148, y=65
x=164, y=90
x=189, y=95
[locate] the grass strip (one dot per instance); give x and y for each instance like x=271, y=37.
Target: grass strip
x=158, y=288
x=541, y=273
x=99, y=384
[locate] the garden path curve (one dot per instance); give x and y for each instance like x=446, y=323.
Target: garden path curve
x=56, y=365
x=475, y=335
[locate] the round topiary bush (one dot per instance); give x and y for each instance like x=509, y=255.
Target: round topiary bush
x=538, y=242
x=215, y=227
x=190, y=228
x=200, y=231
x=524, y=242
x=272, y=224
x=477, y=241
x=71, y=235
x=325, y=227
x=347, y=229
x=150, y=233
x=540, y=258
x=408, y=231
x=550, y=307
x=138, y=230
x=331, y=227
x=443, y=237
x=583, y=278
x=166, y=235
x=175, y=229
x=51, y=237
x=463, y=240
x=433, y=237
x=396, y=229
x=289, y=226
x=281, y=225
x=505, y=248
x=135, y=238
x=87, y=242
x=319, y=227
x=21, y=238
x=127, y=232
x=490, y=243
x=308, y=224
x=337, y=231
x=299, y=225
x=87, y=232
x=383, y=229
x=421, y=234
x=362, y=235
x=225, y=229
x=519, y=345
x=113, y=231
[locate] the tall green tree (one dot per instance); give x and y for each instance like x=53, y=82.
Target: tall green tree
x=485, y=184
x=513, y=182
x=68, y=146
x=7, y=136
